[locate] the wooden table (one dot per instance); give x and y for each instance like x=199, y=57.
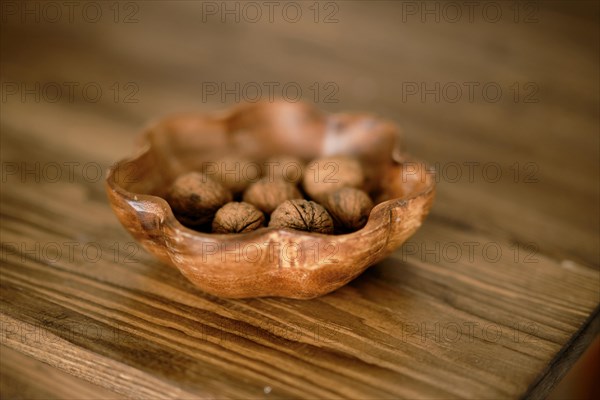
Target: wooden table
x=496, y=295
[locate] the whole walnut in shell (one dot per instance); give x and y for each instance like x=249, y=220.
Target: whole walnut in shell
x=349, y=208
x=267, y=195
x=195, y=197
x=288, y=168
x=302, y=215
x=327, y=174
x=237, y=217
x=235, y=172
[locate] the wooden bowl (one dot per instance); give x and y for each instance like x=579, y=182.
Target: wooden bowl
x=270, y=262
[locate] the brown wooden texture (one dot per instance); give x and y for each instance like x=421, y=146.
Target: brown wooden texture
x=495, y=296
x=17, y=369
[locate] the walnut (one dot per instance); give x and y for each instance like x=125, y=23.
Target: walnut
x=235, y=172
x=349, y=208
x=288, y=168
x=237, y=218
x=195, y=197
x=302, y=215
x=267, y=195
x=327, y=174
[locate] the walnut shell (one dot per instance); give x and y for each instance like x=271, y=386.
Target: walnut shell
x=302, y=215
x=327, y=174
x=237, y=217
x=195, y=197
x=349, y=208
x=235, y=172
x=288, y=168
x=267, y=195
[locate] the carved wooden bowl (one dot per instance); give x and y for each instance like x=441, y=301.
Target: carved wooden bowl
x=268, y=261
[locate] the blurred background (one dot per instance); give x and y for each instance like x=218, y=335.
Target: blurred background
x=506, y=91
x=513, y=83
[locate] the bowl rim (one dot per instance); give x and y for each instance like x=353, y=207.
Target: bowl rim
x=397, y=156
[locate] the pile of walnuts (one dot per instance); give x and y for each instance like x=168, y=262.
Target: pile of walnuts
x=323, y=196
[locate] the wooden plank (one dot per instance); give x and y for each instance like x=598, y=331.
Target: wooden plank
x=405, y=310
x=17, y=369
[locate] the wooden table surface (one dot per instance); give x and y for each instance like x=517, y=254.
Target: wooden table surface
x=495, y=296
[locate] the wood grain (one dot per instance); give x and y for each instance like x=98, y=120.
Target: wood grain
x=424, y=323
x=16, y=370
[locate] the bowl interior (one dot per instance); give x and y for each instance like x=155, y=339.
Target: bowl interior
x=192, y=142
